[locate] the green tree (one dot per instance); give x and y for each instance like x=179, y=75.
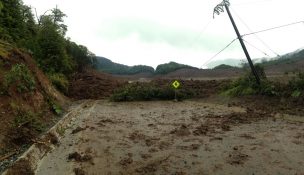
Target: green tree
x=17, y=24
x=52, y=57
x=80, y=54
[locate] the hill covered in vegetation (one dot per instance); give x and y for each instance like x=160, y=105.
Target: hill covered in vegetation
x=44, y=37
x=223, y=66
x=171, y=67
x=285, y=59
x=108, y=66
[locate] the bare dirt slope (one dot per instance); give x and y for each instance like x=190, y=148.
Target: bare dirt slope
x=23, y=114
x=91, y=84
x=190, y=137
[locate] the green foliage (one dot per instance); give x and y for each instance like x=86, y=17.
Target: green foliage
x=297, y=85
x=148, y=91
x=21, y=77
x=140, y=69
x=81, y=55
x=285, y=59
x=60, y=82
x=60, y=130
x=1, y=6
x=16, y=22
x=247, y=85
x=45, y=40
x=170, y=67
x=26, y=118
x=296, y=93
x=55, y=107
x=108, y=66
x=52, y=57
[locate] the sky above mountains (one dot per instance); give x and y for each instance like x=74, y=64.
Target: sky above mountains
x=154, y=32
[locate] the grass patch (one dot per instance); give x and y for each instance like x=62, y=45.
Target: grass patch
x=149, y=91
x=26, y=118
x=60, y=82
x=60, y=130
x=4, y=48
x=55, y=107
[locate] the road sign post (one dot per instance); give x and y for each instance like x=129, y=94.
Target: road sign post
x=175, y=85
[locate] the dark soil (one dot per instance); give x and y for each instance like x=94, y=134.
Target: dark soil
x=21, y=167
x=271, y=104
x=80, y=158
x=91, y=84
x=78, y=129
x=79, y=171
x=182, y=131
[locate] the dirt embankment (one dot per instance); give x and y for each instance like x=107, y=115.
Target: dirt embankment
x=91, y=84
x=27, y=102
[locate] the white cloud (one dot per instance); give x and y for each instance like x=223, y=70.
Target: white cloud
x=85, y=18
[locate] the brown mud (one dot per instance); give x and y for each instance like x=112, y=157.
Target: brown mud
x=188, y=137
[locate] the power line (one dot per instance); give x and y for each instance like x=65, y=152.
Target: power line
x=266, y=45
x=252, y=2
x=265, y=30
x=256, y=48
x=200, y=33
x=247, y=42
x=218, y=52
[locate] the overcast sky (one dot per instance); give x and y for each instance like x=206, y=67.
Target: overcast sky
x=153, y=32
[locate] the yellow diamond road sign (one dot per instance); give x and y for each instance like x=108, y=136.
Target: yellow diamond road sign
x=175, y=84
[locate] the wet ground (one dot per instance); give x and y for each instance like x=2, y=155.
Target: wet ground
x=189, y=137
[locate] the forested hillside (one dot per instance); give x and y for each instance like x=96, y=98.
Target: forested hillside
x=44, y=37
x=170, y=67
x=108, y=66
x=286, y=59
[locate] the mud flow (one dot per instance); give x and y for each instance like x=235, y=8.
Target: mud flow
x=189, y=137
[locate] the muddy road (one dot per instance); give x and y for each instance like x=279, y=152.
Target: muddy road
x=189, y=137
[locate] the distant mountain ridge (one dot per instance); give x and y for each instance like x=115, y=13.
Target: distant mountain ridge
x=171, y=67
x=230, y=62
x=287, y=62
x=289, y=57
x=106, y=65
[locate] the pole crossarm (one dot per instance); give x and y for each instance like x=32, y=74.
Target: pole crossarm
x=220, y=7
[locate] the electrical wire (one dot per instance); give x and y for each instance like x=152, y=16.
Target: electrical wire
x=265, y=30
x=218, y=53
x=266, y=45
x=256, y=48
x=252, y=2
x=200, y=33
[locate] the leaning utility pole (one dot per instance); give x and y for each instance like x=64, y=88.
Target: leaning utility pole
x=217, y=10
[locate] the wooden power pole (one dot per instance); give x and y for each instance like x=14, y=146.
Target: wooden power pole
x=219, y=8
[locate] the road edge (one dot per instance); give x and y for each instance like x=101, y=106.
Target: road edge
x=47, y=142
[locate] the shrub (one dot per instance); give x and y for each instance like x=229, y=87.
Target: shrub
x=60, y=82
x=247, y=85
x=297, y=85
x=20, y=77
x=149, y=91
x=54, y=107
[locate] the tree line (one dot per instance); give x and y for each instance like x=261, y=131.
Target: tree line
x=44, y=37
